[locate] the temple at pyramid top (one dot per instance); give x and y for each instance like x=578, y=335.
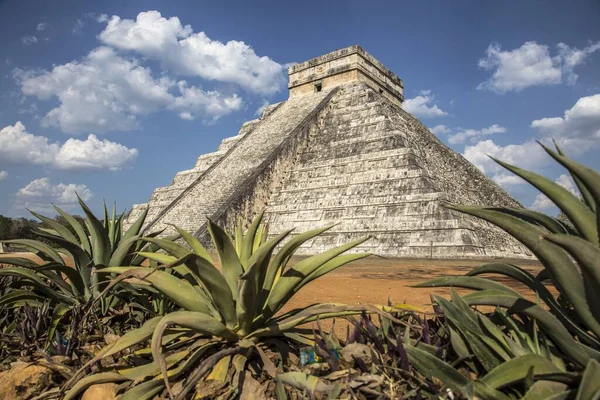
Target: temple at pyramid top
x=339, y=151
x=343, y=66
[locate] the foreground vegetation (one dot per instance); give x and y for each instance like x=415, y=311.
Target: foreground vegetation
x=163, y=319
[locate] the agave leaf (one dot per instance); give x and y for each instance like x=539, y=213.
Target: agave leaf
x=302, y=381
x=283, y=255
x=59, y=228
x=292, y=278
x=152, y=369
x=178, y=290
x=48, y=252
x=331, y=265
x=169, y=246
x=577, y=212
x=33, y=278
x=215, y=284
x=535, y=284
x=220, y=370
x=231, y=267
x=590, y=382
x=59, y=312
x=162, y=259
x=586, y=254
x=516, y=370
x=194, y=244
x=84, y=241
x=548, y=322
x=84, y=383
x=245, y=305
x=136, y=227
x=198, y=322
x=75, y=280
x=544, y=390
x=564, y=273
x=20, y=295
x=80, y=257
x=144, y=391
x=19, y=262
x=588, y=258
x=247, y=244
x=101, y=249
x=124, y=248
x=585, y=193
x=589, y=178
x=466, y=281
x=551, y=224
x=429, y=365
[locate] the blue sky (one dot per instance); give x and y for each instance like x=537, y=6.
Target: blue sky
x=111, y=98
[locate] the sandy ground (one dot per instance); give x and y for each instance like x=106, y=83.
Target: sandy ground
x=374, y=280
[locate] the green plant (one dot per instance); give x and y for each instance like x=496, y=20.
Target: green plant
x=226, y=315
x=570, y=254
x=74, y=289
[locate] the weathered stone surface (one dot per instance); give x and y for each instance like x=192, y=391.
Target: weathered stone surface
x=102, y=391
x=24, y=380
x=347, y=154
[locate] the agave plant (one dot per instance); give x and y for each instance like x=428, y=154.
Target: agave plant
x=228, y=313
x=570, y=254
x=71, y=288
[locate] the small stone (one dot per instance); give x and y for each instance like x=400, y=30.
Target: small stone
x=24, y=380
x=101, y=391
x=356, y=351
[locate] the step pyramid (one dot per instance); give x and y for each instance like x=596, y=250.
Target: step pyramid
x=340, y=150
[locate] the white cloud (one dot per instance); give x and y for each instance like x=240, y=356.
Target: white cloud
x=40, y=193
x=77, y=26
x=265, y=103
x=106, y=92
x=576, y=133
x=179, y=49
x=29, y=39
x=42, y=26
x=543, y=203
x=422, y=105
x=439, y=129
x=3, y=175
x=17, y=146
x=102, y=18
x=93, y=153
x=461, y=135
x=531, y=65
x=209, y=103
x=527, y=155
x=578, y=130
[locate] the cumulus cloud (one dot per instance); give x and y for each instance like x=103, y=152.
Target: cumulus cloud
x=439, y=129
x=38, y=194
x=531, y=65
x=528, y=155
x=543, y=203
x=29, y=39
x=3, y=175
x=423, y=105
x=106, y=92
x=17, y=146
x=460, y=135
x=578, y=130
x=178, y=48
x=42, y=26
